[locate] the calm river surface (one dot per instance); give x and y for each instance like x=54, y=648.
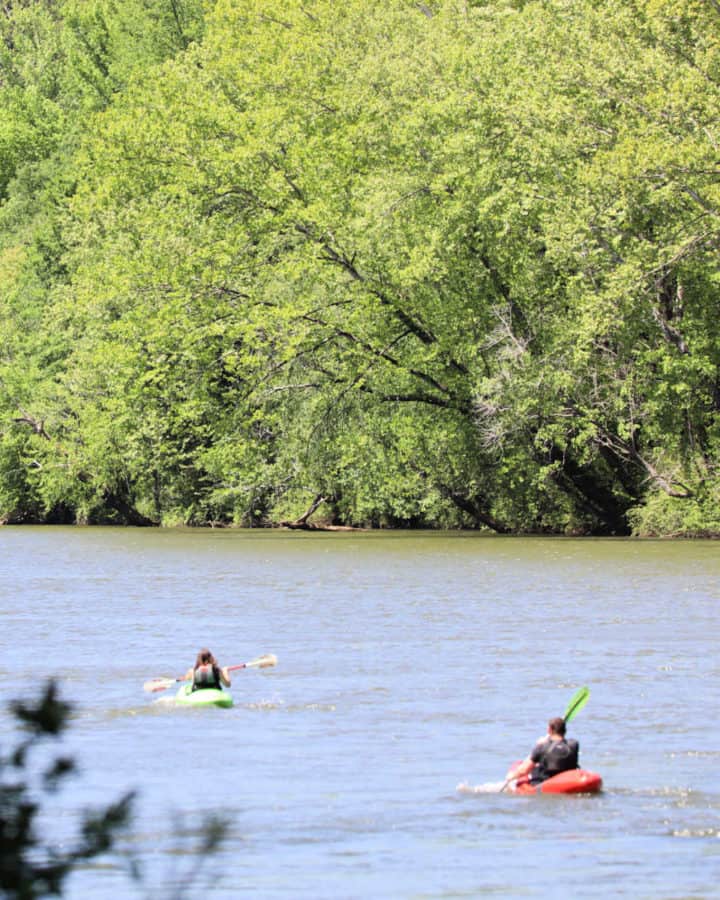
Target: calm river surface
x=407, y=664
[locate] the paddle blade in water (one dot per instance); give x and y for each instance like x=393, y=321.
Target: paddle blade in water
x=491, y=787
x=576, y=704
x=159, y=684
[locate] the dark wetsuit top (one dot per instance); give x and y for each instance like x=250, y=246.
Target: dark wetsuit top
x=553, y=757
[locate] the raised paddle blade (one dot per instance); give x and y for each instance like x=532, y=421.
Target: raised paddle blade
x=580, y=698
x=262, y=662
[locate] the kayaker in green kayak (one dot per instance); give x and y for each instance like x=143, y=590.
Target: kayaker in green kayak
x=551, y=755
x=206, y=673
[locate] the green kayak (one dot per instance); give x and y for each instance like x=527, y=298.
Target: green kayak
x=205, y=697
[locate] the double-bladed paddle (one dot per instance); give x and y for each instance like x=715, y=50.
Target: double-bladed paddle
x=162, y=684
x=578, y=700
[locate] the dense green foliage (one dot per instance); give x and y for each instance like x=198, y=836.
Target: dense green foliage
x=439, y=264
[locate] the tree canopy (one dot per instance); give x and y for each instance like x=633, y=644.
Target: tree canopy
x=443, y=264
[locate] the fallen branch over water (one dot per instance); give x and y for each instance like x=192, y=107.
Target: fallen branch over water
x=302, y=524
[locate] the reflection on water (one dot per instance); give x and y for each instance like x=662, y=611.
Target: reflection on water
x=409, y=664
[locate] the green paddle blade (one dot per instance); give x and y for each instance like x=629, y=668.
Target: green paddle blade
x=580, y=698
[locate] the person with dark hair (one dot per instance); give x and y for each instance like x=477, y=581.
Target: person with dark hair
x=551, y=755
x=206, y=673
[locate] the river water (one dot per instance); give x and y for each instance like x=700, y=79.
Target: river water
x=408, y=664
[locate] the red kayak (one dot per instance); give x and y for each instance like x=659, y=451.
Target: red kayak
x=574, y=781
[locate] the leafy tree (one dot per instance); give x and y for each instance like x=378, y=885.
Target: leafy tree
x=436, y=263
x=29, y=867
x=59, y=63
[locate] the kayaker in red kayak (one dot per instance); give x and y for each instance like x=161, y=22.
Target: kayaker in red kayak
x=551, y=755
x=206, y=673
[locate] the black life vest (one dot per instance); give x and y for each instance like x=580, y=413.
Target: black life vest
x=206, y=676
x=554, y=757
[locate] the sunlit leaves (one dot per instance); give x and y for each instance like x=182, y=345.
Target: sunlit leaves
x=442, y=263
